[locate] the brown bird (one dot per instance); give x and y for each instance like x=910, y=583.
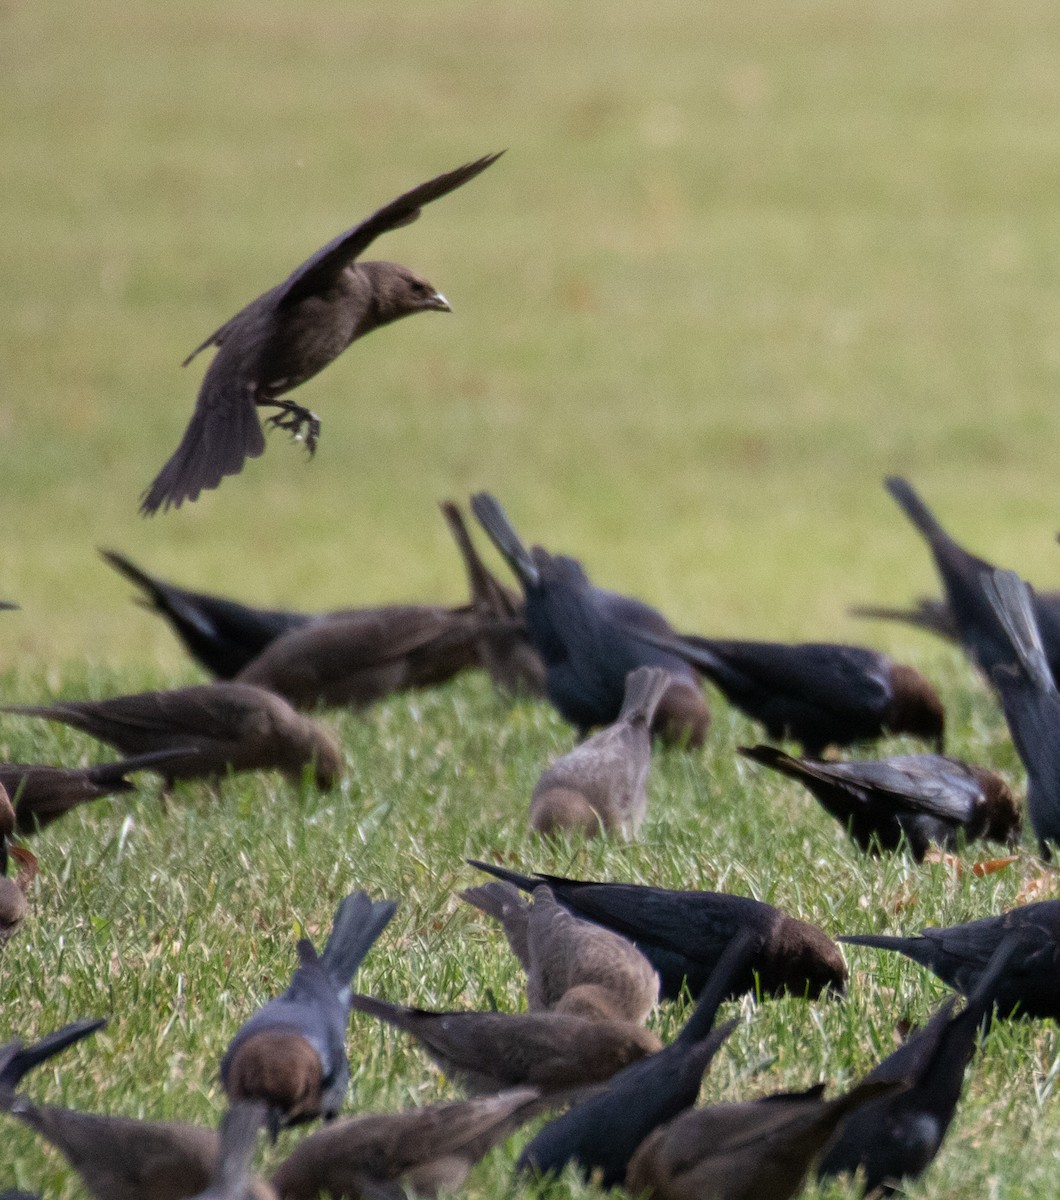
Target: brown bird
x=355, y=660
x=287, y=335
x=571, y=965
x=487, y=1052
x=13, y=903
x=210, y=729
x=599, y=786
x=42, y=794
x=761, y=1148
x=508, y=658
x=424, y=1150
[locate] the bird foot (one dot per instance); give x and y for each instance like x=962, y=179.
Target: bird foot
x=303, y=425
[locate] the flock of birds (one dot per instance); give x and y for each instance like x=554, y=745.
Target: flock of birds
x=598, y=955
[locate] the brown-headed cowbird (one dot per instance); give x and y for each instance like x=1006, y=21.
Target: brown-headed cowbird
x=684, y=933
x=749, y=1151
x=978, y=627
x=211, y=729
x=42, y=794
x=582, y=634
x=490, y=1051
x=508, y=658
x=896, y=1137
x=601, y=1133
x=960, y=954
x=358, y=659
x=287, y=335
x=423, y=1151
x=1031, y=702
x=818, y=693
x=600, y=785
x=571, y=965
x=221, y=635
x=291, y=1054
x=919, y=798
x=231, y=1177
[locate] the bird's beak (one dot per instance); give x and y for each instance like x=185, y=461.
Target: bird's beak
x=439, y=302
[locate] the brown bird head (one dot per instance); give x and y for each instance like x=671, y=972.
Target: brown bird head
x=281, y=1069
x=13, y=903
x=1002, y=811
x=803, y=958
x=589, y=1000
x=915, y=706
x=682, y=718
x=562, y=810
x=312, y=742
x=398, y=292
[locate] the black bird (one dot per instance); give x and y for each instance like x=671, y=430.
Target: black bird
x=897, y=1137
x=960, y=954
x=291, y=1054
x=287, y=335
x=221, y=635
x=1031, y=702
x=818, y=693
x=603, y=1132
x=978, y=627
x=42, y=794
x=17, y=1059
x=582, y=634
x=684, y=934
x=923, y=798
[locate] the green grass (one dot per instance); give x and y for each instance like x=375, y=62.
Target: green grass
x=739, y=262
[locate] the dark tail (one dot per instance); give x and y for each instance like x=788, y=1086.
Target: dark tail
x=112, y=774
x=17, y=1060
x=932, y=616
x=8, y=606
x=525, y=883
x=882, y=941
x=239, y=1135
x=494, y=521
x=645, y=687
x=777, y=760
x=737, y=958
x=159, y=592
x=916, y=510
x=391, y=1014
x=223, y=433
x=486, y=590
x=358, y=922
x=1011, y=599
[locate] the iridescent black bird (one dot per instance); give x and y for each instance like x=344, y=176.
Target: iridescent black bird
x=582, y=634
x=924, y=798
x=287, y=335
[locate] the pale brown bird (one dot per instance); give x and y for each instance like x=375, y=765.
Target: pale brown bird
x=487, y=1052
x=357, y=659
x=210, y=729
x=749, y=1151
x=424, y=1150
x=13, y=903
x=571, y=965
x=599, y=786
x=287, y=335
x=508, y=658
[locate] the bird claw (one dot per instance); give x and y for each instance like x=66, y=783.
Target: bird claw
x=300, y=423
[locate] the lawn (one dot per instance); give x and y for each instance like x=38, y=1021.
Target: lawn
x=739, y=262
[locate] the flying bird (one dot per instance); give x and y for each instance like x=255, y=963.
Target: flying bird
x=287, y=335
x=601, y=785
x=961, y=954
x=291, y=1054
x=571, y=965
x=209, y=729
x=683, y=934
x=924, y=799
x=818, y=693
x=601, y=1133
x=1031, y=702
x=582, y=634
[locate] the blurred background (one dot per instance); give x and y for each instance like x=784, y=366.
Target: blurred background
x=739, y=262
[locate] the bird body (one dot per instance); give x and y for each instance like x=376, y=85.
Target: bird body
x=287, y=335
x=960, y=954
x=683, y=934
x=210, y=729
x=491, y=1051
x=921, y=798
x=601, y=784
x=571, y=965
x=580, y=633
x=291, y=1054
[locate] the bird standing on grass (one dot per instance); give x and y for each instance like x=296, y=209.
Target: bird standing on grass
x=287, y=335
